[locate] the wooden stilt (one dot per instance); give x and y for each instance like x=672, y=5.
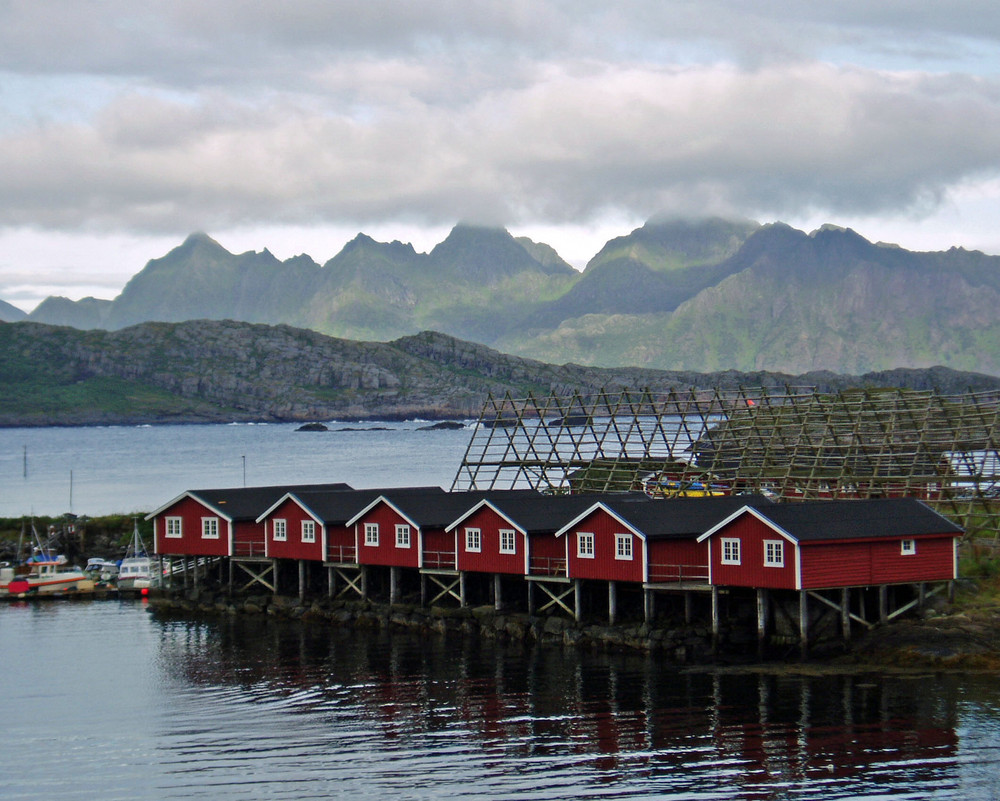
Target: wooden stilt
x=845, y=613
x=274, y=574
x=230, y=582
x=804, y=621
x=530, y=588
x=331, y=582
x=497, y=600
x=688, y=607
x=578, y=601
x=612, y=603
x=461, y=589
x=394, y=585
x=423, y=589
x=302, y=580
x=715, y=618
x=364, y=582
x=883, y=603
x=647, y=605
x=761, y=620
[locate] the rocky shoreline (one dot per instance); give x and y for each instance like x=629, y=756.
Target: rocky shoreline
x=940, y=640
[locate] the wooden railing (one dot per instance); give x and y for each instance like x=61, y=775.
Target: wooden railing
x=547, y=566
x=249, y=549
x=439, y=560
x=665, y=573
x=342, y=553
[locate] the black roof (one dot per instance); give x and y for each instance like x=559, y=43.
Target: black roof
x=544, y=514
x=677, y=518
x=248, y=503
x=858, y=519
x=438, y=511
x=337, y=508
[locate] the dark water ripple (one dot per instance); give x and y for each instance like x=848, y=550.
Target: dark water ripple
x=120, y=705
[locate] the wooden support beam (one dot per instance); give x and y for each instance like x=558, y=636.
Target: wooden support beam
x=612, y=603
x=578, y=605
x=648, y=601
x=449, y=585
x=497, y=600
x=257, y=576
x=804, y=621
x=688, y=604
x=840, y=608
x=715, y=616
x=845, y=613
x=461, y=589
x=302, y=580
x=762, y=599
x=353, y=581
x=883, y=603
x=394, y=585
x=331, y=582
x=557, y=597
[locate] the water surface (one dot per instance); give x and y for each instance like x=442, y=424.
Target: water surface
x=114, y=703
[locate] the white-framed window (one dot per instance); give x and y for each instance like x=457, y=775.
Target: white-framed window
x=730, y=551
x=175, y=527
x=623, y=546
x=585, y=545
x=774, y=553
x=508, y=541
x=371, y=534
x=309, y=531
x=402, y=535
x=210, y=528
x=908, y=547
x=473, y=540
x=279, y=529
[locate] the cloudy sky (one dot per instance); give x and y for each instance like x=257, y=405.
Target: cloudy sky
x=293, y=125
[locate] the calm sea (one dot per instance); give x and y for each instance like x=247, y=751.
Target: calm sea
x=125, y=469
x=104, y=700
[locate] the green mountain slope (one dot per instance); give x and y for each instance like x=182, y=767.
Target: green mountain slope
x=224, y=370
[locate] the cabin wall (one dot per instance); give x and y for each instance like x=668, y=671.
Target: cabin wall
x=604, y=565
x=489, y=559
x=248, y=538
x=677, y=560
x=933, y=561
x=386, y=552
x=837, y=564
x=438, y=549
x=751, y=571
x=191, y=542
x=293, y=546
x=547, y=555
x=341, y=544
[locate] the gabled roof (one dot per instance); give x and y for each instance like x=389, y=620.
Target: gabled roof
x=676, y=518
x=437, y=510
x=536, y=514
x=336, y=508
x=246, y=503
x=822, y=521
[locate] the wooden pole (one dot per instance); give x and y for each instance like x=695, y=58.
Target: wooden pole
x=883, y=604
x=688, y=607
x=461, y=589
x=715, y=618
x=804, y=621
x=531, y=596
x=612, y=603
x=302, y=580
x=331, y=582
x=845, y=613
x=497, y=600
x=394, y=585
x=761, y=620
x=577, y=600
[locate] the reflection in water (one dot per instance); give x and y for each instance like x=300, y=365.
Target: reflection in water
x=113, y=703
x=289, y=705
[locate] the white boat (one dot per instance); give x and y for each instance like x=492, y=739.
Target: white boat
x=138, y=570
x=101, y=570
x=43, y=573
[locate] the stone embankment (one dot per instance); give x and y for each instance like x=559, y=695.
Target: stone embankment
x=685, y=644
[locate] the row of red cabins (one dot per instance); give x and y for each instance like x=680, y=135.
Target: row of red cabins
x=560, y=543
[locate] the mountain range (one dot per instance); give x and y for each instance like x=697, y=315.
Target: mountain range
x=684, y=295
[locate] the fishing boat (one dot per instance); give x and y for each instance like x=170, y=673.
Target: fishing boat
x=43, y=573
x=138, y=570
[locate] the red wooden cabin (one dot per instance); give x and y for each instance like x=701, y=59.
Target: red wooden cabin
x=514, y=533
x=635, y=539
x=218, y=522
x=335, y=541
x=824, y=544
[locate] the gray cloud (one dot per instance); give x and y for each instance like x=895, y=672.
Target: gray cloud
x=213, y=115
